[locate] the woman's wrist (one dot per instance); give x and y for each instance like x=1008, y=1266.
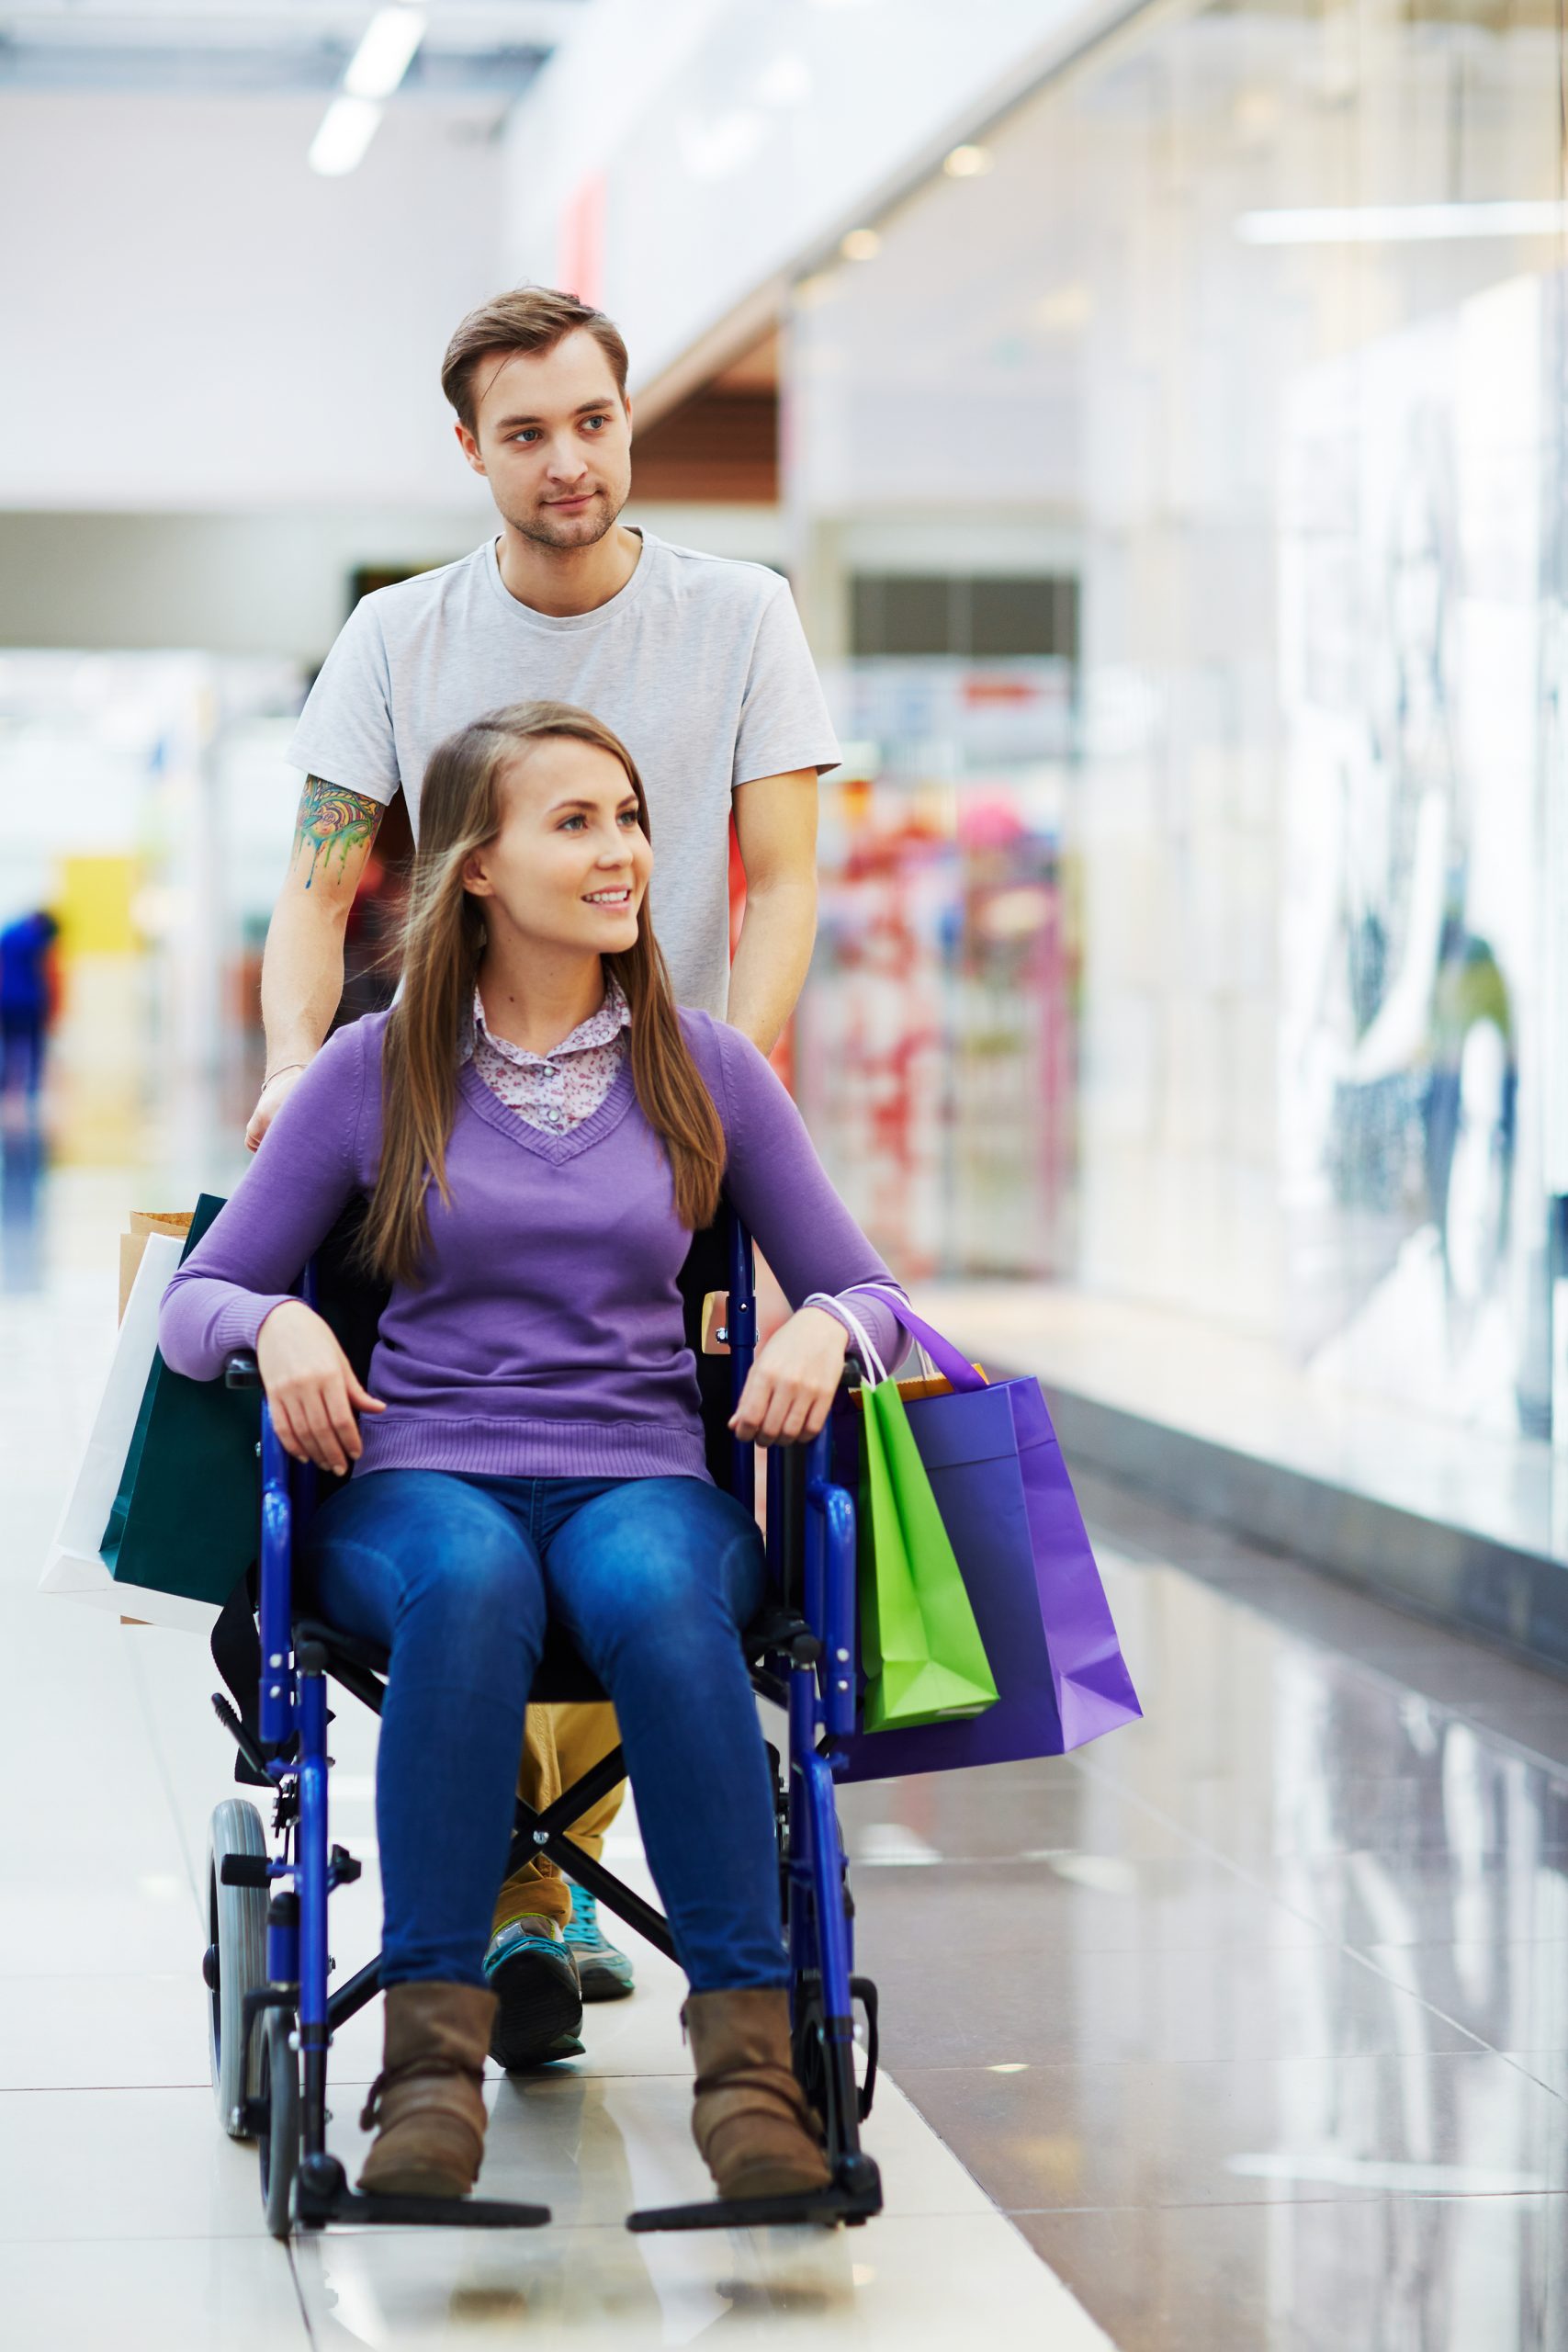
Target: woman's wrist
x=840, y=1323
x=281, y=1306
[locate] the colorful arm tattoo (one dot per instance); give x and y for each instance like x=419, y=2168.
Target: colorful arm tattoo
x=332, y=820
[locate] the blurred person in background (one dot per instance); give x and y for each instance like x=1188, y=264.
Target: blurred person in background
x=700, y=665
x=30, y=998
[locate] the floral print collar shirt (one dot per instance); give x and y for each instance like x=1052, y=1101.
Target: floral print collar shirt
x=554, y=1091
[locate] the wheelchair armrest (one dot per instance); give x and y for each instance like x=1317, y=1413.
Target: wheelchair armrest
x=240, y=1369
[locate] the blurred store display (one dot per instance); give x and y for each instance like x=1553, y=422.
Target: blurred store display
x=1411, y=646
x=148, y=808
x=935, y=1053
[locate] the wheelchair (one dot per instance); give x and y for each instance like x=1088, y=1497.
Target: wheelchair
x=272, y=2012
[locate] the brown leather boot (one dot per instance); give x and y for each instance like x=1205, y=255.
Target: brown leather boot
x=427, y=2099
x=757, y=2135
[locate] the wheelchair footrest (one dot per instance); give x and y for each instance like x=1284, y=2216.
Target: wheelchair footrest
x=849, y=2202
x=349, y=2206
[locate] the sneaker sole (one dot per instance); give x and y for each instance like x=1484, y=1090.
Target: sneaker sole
x=539, y=2005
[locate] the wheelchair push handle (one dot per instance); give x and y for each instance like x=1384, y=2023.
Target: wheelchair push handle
x=240, y=1369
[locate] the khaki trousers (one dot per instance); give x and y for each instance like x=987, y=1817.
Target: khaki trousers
x=561, y=1743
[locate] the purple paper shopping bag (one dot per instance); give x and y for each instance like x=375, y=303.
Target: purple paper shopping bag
x=1008, y=1505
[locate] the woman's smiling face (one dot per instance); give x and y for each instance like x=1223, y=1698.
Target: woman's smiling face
x=569, y=868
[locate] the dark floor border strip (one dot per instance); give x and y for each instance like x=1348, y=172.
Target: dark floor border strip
x=1516, y=1599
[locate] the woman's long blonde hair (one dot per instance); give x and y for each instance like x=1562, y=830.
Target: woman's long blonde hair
x=462, y=807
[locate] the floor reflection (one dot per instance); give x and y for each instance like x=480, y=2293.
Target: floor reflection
x=1252, y=2015
x=24, y=1162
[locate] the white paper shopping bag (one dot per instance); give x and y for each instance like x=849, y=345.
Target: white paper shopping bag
x=74, y=1565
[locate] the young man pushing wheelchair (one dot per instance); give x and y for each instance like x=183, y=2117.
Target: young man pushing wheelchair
x=700, y=666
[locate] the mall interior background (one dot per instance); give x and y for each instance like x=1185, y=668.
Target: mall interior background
x=1161, y=417
x=1170, y=484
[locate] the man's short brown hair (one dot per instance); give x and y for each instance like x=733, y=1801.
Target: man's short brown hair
x=531, y=317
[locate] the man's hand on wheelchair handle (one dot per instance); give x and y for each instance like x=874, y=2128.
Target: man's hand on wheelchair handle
x=314, y=1397
x=794, y=1381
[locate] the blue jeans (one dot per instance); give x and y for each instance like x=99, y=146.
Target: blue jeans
x=654, y=1579
x=21, y=1053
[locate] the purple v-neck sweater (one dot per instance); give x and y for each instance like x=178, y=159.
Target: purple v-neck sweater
x=547, y=1341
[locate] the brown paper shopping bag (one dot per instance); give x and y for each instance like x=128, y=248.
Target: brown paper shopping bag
x=134, y=1241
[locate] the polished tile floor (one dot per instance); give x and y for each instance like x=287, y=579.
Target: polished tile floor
x=1254, y=2014
x=1245, y=2029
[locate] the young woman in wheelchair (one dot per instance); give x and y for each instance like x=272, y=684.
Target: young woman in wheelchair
x=538, y=1131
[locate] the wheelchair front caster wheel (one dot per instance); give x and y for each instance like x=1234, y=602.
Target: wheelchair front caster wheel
x=858, y=2176
x=279, y=2107
x=322, y=2186
x=235, y=1960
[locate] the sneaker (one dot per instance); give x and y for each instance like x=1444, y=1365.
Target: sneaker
x=534, y=1976
x=604, y=1973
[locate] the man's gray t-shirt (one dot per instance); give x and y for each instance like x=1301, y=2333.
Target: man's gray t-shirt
x=699, y=665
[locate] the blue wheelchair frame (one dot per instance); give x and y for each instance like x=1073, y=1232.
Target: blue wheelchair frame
x=802, y=1655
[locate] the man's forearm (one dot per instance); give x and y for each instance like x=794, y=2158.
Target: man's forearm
x=301, y=977
x=772, y=959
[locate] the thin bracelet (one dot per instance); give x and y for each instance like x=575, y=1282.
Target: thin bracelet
x=271, y=1074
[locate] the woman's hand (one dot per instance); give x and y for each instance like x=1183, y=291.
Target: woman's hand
x=792, y=1382
x=310, y=1387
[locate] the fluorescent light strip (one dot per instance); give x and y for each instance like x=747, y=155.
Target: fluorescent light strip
x=1393, y=224
x=385, y=53
x=377, y=68
x=347, y=128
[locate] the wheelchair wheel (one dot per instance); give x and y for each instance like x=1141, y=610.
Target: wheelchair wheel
x=236, y=1959
x=827, y=2080
x=278, y=2105
x=812, y=2070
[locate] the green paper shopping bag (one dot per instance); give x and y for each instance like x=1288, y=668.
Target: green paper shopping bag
x=921, y=1647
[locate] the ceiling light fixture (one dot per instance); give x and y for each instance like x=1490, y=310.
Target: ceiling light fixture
x=347, y=128
x=385, y=53
x=967, y=164
x=377, y=68
x=861, y=244
x=1393, y=224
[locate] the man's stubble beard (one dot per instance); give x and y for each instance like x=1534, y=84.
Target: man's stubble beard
x=581, y=531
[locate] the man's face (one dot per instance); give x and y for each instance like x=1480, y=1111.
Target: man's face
x=553, y=439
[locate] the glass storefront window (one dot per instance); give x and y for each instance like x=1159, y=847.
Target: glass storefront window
x=1252, y=332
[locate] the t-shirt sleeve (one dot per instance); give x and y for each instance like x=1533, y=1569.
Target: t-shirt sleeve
x=344, y=734
x=783, y=716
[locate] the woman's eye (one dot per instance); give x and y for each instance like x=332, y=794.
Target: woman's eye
x=629, y=817
x=569, y=822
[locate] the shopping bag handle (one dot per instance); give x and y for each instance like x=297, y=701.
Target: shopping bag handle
x=870, y=1363
x=951, y=1362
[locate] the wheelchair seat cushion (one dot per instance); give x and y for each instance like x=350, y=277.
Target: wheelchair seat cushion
x=562, y=1676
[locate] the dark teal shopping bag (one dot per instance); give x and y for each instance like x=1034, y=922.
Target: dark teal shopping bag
x=185, y=1519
